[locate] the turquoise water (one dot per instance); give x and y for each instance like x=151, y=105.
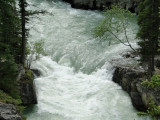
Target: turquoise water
x=76, y=81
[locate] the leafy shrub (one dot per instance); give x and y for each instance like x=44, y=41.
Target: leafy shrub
x=34, y=52
x=116, y=22
x=153, y=83
x=153, y=111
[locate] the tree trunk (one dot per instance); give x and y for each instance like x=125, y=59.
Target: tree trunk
x=23, y=32
x=149, y=68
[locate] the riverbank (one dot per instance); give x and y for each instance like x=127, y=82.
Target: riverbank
x=74, y=85
x=131, y=5
x=12, y=109
x=130, y=78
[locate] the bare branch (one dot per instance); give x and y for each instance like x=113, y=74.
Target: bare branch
x=125, y=32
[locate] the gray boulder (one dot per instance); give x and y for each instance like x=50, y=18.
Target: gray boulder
x=28, y=93
x=8, y=112
x=130, y=79
x=148, y=94
x=36, y=72
x=27, y=87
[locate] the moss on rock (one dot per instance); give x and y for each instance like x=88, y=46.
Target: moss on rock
x=27, y=77
x=8, y=100
x=27, y=88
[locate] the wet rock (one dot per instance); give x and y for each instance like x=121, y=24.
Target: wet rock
x=129, y=55
x=157, y=62
x=130, y=79
x=8, y=112
x=131, y=5
x=127, y=78
x=136, y=96
x=28, y=93
x=36, y=72
x=148, y=94
x=27, y=88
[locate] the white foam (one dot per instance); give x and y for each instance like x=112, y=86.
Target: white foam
x=76, y=75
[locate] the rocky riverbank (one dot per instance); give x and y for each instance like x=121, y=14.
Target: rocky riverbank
x=131, y=5
x=9, y=112
x=130, y=78
x=9, y=107
x=27, y=87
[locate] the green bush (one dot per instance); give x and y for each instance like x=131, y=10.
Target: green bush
x=153, y=83
x=153, y=111
x=34, y=52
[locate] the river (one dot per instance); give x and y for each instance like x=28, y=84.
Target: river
x=76, y=81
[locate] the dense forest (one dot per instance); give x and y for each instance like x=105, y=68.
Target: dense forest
x=13, y=42
x=14, y=49
x=10, y=44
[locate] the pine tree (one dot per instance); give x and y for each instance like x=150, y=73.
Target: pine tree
x=9, y=46
x=24, y=19
x=148, y=21
x=25, y=16
x=10, y=28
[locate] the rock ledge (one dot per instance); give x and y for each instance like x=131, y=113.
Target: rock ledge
x=131, y=5
x=130, y=79
x=8, y=112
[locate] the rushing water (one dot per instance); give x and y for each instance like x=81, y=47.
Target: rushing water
x=76, y=75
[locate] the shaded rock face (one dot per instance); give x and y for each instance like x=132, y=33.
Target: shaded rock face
x=127, y=78
x=27, y=88
x=131, y=5
x=157, y=62
x=8, y=112
x=130, y=79
x=36, y=72
x=28, y=93
x=149, y=94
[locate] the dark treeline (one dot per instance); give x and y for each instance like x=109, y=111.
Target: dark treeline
x=10, y=46
x=148, y=33
x=13, y=40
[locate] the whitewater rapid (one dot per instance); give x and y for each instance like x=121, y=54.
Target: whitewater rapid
x=76, y=81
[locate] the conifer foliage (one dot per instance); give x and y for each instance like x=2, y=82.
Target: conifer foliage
x=13, y=39
x=148, y=21
x=10, y=46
